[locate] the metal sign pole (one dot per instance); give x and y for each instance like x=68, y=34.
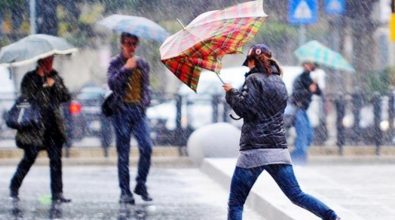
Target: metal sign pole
x=302, y=34
x=32, y=8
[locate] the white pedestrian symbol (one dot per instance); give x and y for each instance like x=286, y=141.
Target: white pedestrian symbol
x=335, y=5
x=303, y=11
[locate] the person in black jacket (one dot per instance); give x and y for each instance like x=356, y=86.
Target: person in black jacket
x=263, y=146
x=46, y=88
x=303, y=89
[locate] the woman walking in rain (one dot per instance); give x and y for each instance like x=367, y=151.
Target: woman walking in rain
x=261, y=103
x=44, y=87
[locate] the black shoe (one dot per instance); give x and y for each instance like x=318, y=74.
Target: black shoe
x=14, y=196
x=141, y=190
x=126, y=199
x=59, y=198
x=55, y=213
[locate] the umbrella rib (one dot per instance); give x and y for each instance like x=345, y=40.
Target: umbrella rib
x=203, y=45
x=203, y=42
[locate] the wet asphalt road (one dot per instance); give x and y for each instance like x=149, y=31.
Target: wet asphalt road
x=179, y=193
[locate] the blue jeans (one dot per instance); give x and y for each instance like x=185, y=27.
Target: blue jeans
x=243, y=179
x=304, y=137
x=132, y=120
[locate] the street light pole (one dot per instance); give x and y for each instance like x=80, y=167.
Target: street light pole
x=32, y=8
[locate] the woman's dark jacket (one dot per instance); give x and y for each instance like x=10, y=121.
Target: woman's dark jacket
x=261, y=103
x=49, y=99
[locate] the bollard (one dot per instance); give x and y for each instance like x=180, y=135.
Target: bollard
x=391, y=114
x=225, y=115
x=215, y=104
x=356, y=110
x=377, y=118
x=321, y=131
x=178, y=112
x=180, y=139
x=340, y=112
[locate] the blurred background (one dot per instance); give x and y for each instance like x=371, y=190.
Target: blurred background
x=357, y=108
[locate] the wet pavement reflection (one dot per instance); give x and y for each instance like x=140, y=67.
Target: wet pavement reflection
x=178, y=193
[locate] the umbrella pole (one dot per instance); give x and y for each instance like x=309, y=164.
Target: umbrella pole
x=220, y=78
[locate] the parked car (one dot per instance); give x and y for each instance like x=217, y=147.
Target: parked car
x=84, y=117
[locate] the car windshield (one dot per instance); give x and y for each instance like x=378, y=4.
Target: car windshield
x=91, y=93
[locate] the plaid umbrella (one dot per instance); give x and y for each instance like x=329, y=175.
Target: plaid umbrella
x=316, y=52
x=210, y=36
x=139, y=26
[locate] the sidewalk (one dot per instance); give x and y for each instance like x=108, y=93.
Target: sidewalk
x=359, y=185
x=354, y=191
x=87, y=155
x=179, y=194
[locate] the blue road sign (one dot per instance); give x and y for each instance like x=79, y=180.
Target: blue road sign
x=302, y=11
x=335, y=7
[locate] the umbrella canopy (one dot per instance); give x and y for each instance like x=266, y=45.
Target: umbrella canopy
x=210, y=36
x=316, y=52
x=139, y=26
x=33, y=48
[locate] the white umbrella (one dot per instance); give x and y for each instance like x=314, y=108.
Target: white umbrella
x=139, y=26
x=33, y=48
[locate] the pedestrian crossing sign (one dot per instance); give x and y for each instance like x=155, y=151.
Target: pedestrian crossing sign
x=335, y=7
x=302, y=11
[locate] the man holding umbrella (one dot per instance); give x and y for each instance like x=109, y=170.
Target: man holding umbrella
x=129, y=81
x=303, y=89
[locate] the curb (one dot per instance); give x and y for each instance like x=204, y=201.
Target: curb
x=267, y=199
x=92, y=152
x=161, y=162
x=351, y=150
x=350, y=160
x=322, y=153
x=254, y=201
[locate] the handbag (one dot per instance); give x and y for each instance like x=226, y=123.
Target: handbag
x=108, y=106
x=289, y=115
x=23, y=114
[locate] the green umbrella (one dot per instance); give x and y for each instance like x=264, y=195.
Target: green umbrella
x=316, y=52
